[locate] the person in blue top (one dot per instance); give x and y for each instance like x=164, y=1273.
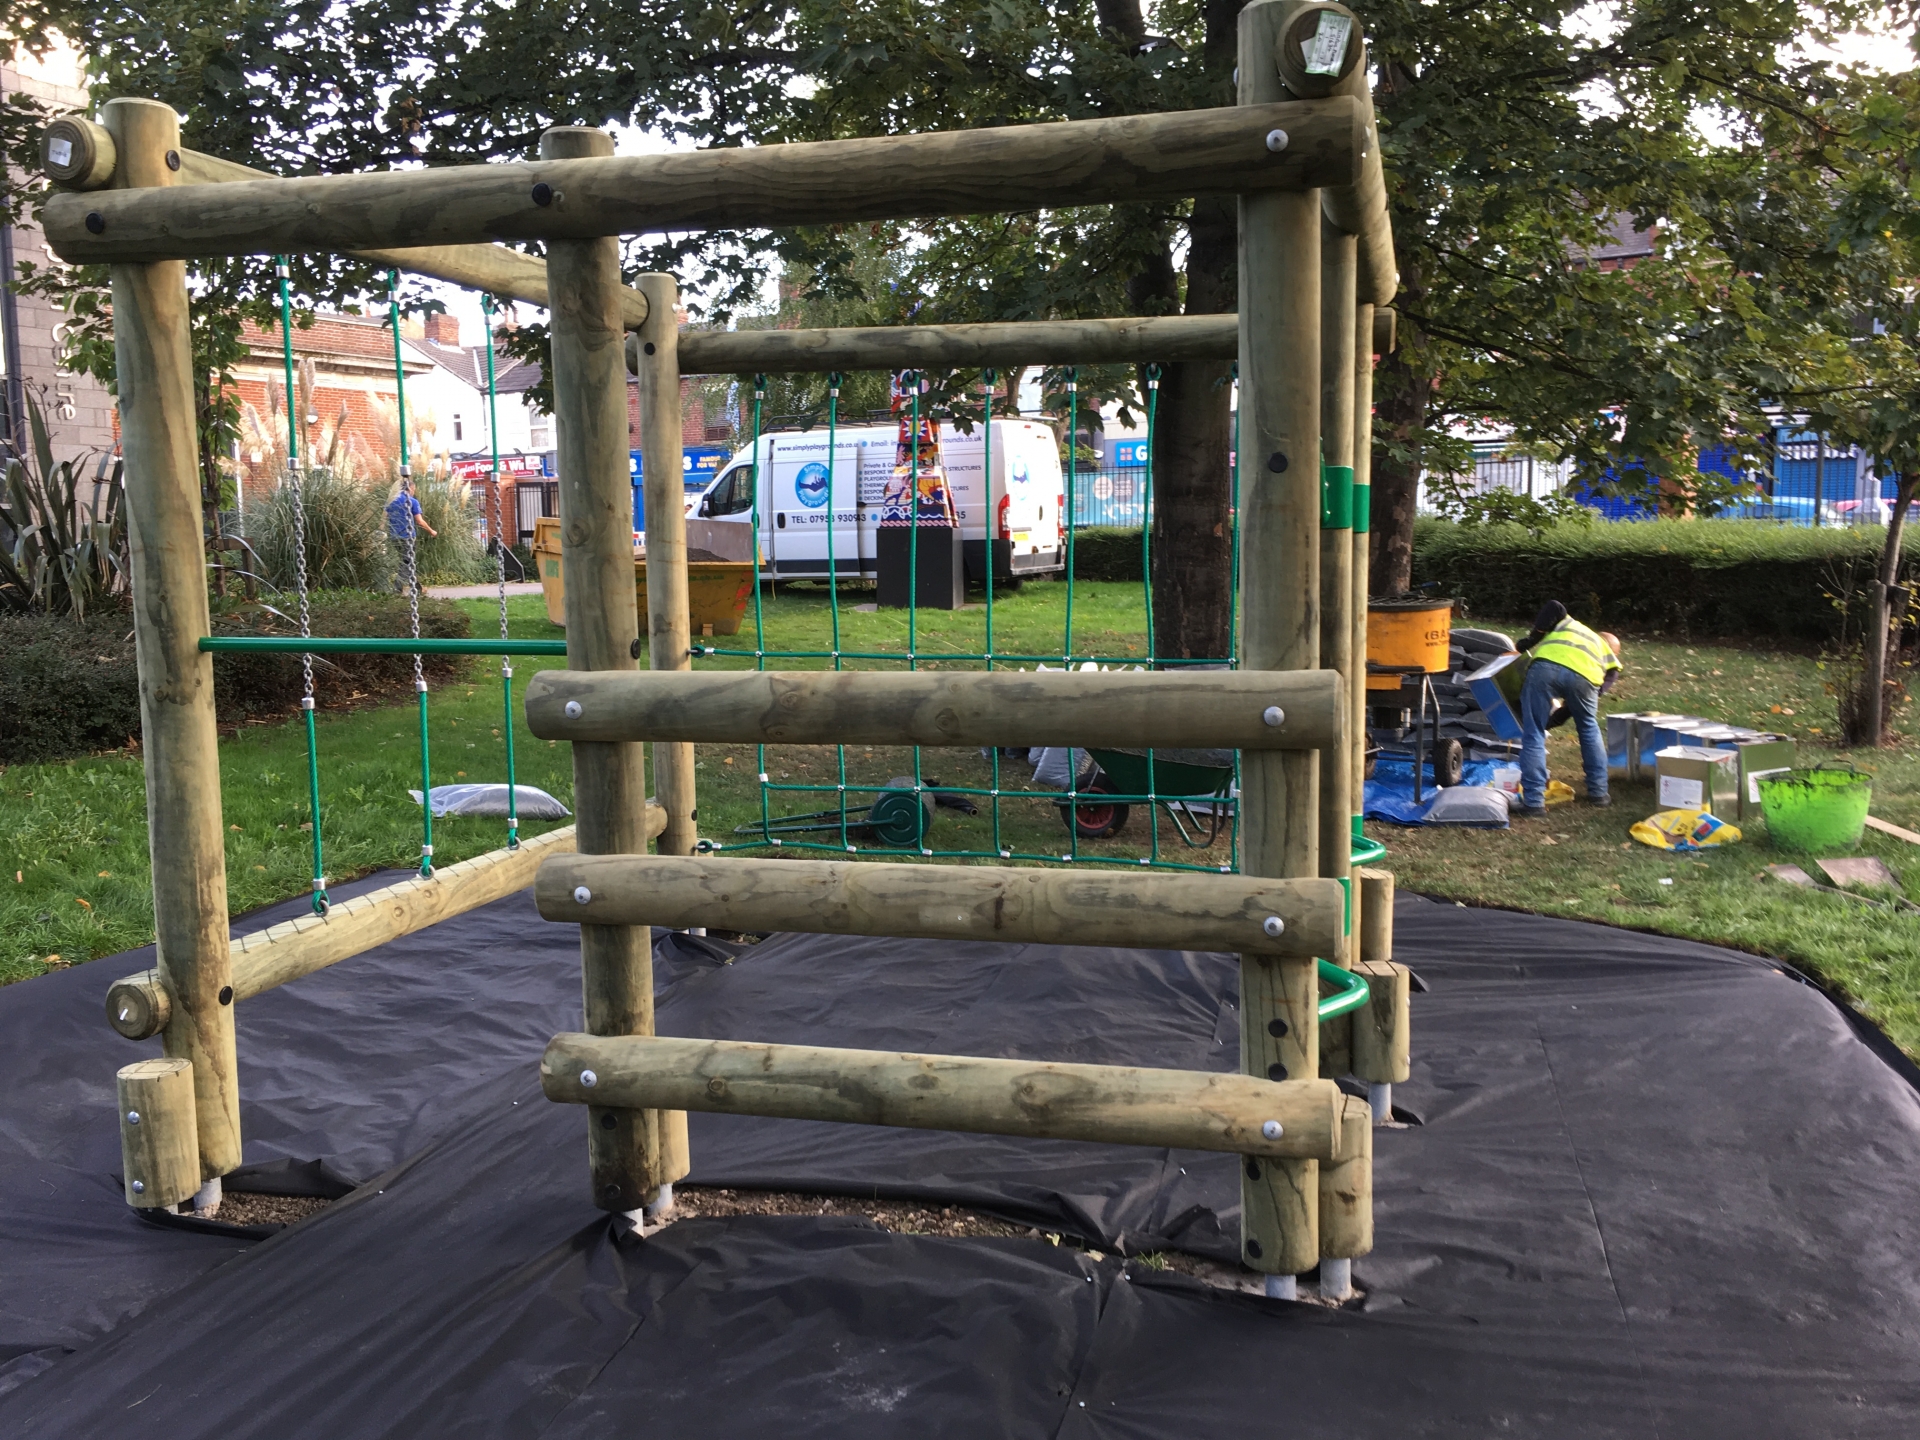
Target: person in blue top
x=403, y=514
x=1576, y=666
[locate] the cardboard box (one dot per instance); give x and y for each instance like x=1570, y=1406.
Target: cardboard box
x=1496, y=689
x=1697, y=777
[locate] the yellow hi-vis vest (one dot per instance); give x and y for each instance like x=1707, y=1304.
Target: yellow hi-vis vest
x=1579, y=649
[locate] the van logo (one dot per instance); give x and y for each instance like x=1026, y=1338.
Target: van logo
x=810, y=485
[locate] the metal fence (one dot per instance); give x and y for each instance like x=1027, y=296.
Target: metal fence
x=1110, y=497
x=1811, y=481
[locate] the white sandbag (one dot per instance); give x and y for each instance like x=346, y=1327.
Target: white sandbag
x=1057, y=766
x=533, y=803
x=1468, y=805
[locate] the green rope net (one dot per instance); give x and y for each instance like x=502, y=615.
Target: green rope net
x=895, y=815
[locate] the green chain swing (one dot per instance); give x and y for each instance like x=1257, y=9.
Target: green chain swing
x=297, y=482
x=500, y=563
x=413, y=584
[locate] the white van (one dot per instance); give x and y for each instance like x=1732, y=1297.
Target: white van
x=1022, y=508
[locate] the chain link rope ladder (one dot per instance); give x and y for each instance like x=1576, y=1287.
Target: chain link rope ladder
x=296, y=481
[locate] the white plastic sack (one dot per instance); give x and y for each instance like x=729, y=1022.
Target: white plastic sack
x=1057, y=766
x=533, y=803
x=1469, y=805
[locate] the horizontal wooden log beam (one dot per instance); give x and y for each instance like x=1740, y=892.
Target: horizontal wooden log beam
x=1190, y=709
x=79, y=154
x=138, y=1006
x=1111, y=1104
x=1155, y=909
x=1165, y=339
x=1128, y=159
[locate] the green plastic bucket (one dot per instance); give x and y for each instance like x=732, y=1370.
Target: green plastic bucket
x=1819, y=809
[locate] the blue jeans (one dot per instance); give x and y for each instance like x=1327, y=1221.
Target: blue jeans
x=1545, y=682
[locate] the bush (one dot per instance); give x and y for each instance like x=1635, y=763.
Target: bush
x=1105, y=552
x=1683, y=577
x=67, y=686
x=346, y=534
x=265, y=683
x=455, y=555
x=70, y=686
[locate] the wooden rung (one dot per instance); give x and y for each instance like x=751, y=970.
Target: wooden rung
x=1191, y=709
x=1158, y=338
x=1126, y=159
x=1154, y=909
x=138, y=1006
x=1113, y=1104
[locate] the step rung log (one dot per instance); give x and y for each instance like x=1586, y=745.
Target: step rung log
x=1215, y=709
x=1163, y=338
x=1152, y=909
x=138, y=1006
x=1129, y=159
x=1110, y=1104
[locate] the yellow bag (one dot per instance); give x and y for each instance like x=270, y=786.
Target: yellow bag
x=1558, y=792
x=1684, y=830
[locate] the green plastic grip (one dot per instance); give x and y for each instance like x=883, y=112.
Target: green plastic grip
x=1336, y=497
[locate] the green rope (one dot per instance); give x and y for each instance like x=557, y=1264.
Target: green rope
x=833, y=572
x=500, y=558
x=298, y=485
x=1073, y=462
x=759, y=616
x=989, y=526
x=413, y=583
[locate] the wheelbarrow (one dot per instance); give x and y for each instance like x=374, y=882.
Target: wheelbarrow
x=1178, y=781
x=897, y=819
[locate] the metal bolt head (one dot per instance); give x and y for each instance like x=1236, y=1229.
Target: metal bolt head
x=1274, y=926
x=1272, y=1129
x=96, y=223
x=173, y=159
x=139, y=1187
x=133, y=1117
x=543, y=194
x=573, y=710
x=1274, y=715
x=582, y=895
x=588, y=1079
x=1276, y=140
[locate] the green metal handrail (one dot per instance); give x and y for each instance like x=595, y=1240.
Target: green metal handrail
x=1366, y=851
x=1353, y=992
x=318, y=645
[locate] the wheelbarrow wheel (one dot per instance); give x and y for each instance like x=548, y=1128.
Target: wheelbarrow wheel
x=1098, y=819
x=1449, y=762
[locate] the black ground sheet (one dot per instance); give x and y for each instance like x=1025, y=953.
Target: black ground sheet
x=1658, y=1189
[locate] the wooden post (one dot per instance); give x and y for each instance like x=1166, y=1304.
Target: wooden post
x=159, y=1147
x=1346, y=1200
x=179, y=744
x=1279, y=311
x=1376, y=912
x=609, y=780
x=669, y=631
x=1363, y=353
x=1337, y=260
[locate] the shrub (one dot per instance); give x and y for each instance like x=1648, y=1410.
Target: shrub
x=1684, y=577
x=1104, y=552
x=69, y=686
x=455, y=555
x=60, y=552
x=267, y=683
x=346, y=534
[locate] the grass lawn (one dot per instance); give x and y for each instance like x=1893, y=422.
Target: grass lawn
x=73, y=855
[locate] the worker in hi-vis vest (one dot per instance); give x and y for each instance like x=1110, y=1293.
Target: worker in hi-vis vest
x=1575, y=666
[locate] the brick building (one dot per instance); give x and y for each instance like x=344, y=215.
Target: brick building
x=79, y=410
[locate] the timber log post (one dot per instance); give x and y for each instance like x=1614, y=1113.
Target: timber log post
x=1279, y=310
x=179, y=742
x=609, y=780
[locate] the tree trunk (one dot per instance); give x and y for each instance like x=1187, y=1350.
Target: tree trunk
x=1193, y=441
x=1402, y=390
x=1192, y=463
x=1872, y=725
